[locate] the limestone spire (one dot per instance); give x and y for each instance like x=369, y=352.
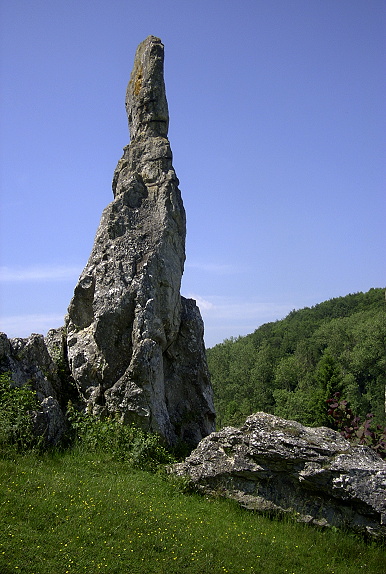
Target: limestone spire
x=135, y=346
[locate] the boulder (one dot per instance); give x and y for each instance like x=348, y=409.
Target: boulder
x=278, y=466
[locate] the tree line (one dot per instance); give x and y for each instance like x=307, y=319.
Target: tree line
x=292, y=367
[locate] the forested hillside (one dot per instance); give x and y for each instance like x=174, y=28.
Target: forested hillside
x=291, y=367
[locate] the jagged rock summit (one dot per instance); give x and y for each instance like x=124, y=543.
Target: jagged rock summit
x=135, y=346
x=131, y=345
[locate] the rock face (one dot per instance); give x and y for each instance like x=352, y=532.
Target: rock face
x=279, y=466
x=135, y=346
x=131, y=345
x=41, y=363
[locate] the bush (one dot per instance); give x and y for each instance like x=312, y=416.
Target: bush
x=122, y=442
x=16, y=424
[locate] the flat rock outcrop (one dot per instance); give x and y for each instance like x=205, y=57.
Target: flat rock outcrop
x=278, y=466
x=135, y=346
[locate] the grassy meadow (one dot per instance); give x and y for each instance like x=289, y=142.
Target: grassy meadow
x=81, y=512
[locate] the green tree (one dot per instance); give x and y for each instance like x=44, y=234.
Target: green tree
x=338, y=345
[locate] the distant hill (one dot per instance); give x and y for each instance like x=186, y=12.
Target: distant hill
x=290, y=367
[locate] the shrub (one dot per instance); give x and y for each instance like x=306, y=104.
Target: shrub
x=16, y=424
x=122, y=442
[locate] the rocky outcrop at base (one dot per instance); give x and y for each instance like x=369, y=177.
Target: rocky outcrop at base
x=278, y=466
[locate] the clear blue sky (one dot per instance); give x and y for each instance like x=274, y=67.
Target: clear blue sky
x=277, y=126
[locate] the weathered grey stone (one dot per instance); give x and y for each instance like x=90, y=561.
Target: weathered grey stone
x=29, y=362
x=146, y=104
x=49, y=421
x=135, y=347
x=132, y=344
x=37, y=361
x=279, y=466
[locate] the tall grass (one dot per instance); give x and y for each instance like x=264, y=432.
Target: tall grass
x=82, y=512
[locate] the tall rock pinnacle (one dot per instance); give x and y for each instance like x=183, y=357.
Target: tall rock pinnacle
x=135, y=346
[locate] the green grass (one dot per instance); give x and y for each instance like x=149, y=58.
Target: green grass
x=85, y=513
